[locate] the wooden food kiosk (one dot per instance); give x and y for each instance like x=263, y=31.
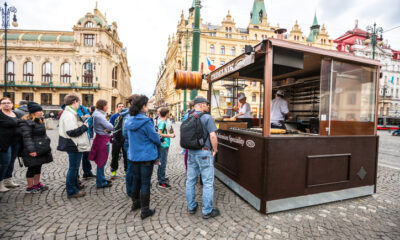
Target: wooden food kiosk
x=328, y=151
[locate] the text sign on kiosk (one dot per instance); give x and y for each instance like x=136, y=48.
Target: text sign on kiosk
x=232, y=66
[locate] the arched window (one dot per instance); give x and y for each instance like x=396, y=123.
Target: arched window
x=28, y=72
x=115, y=77
x=10, y=71
x=233, y=51
x=212, y=49
x=230, y=29
x=226, y=29
x=88, y=24
x=223, y=50
x=65, y=73
x=87, y=73
x=255, y=36
x=47, y=73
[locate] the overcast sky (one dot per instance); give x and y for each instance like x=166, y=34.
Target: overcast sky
x=144, y=25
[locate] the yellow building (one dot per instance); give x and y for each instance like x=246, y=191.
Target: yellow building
x=44, y=66
x=221, y=43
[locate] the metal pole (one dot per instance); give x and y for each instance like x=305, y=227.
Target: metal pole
x=196, y=43
x=185, y=91
x=5, y=49
x=373, y=41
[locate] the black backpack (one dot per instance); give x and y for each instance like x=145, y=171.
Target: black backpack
x=192, y=134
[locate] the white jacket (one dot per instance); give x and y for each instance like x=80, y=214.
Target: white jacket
x=69, y=120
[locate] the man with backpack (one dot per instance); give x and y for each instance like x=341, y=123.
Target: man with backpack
x=198, y=135
x=117, y=120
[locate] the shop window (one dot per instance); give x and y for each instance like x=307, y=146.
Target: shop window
x=65, y=73
x=10, y=95
x=10, y=71
x=62, y=96
x=27, y=96
x=87, y=73
x=28, y=72
x=87, y=100
x=47, y=73
x=89, y=40
x=115, y=77
x=46, y=99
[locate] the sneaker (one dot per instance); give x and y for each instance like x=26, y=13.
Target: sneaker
x=87, y=176
x=77, y=195
x=113, y=175
x=193, y=211
x=212, y=214
x=32, y=190
x=106, y=186
x=42, y=187
x=164, y=185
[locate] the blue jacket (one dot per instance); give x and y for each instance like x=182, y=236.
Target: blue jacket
x=82, y=111
x=142, y=137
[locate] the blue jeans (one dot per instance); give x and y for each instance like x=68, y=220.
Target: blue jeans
x=72, y=174
x=200, y=161
x=86, y=165
x=141, y=173
x=163, y=165
x=5, y=159
x=101, y=180
x=129, y=178
x=14, y=154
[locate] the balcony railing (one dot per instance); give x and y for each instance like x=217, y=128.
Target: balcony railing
x=38, y=84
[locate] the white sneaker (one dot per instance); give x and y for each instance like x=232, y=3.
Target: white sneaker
x=3, y=188
x=9, y=183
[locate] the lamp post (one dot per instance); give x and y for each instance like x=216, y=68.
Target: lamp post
x=5, y=13
x=196, y=43
x=186, y=53
x=373, y=33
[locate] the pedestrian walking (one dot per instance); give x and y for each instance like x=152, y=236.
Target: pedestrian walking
x=164, y=133
x=142, y=153
x=73, y=140
x=36, y=149
x=101, y=143
x=9, y=138
x=198, y=135
x=22, y=110
x=118, y=141
x=84, y=114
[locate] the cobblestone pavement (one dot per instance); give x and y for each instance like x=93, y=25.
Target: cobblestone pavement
x=105, y=213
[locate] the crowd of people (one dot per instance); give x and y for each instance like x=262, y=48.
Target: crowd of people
x=86, y=135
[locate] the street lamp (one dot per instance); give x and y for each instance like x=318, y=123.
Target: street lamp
x=5, y=13
x=372, y=32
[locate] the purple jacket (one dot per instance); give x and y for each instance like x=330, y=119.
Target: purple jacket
x=99, y=153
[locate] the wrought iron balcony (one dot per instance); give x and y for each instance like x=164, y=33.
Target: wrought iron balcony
x=39, y=84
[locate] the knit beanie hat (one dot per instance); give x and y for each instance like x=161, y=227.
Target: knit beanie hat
x=34, y=107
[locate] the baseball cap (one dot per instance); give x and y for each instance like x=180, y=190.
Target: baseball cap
x=280, y=92
x=200, y=100
x=241, y=96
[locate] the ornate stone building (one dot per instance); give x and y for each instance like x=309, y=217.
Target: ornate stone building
x=221, y=43
x=44, y=66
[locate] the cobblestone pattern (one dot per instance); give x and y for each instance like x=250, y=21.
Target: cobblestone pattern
x=105, y=213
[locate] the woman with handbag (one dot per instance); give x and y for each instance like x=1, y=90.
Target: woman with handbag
x=8, y=139
x=36, y=149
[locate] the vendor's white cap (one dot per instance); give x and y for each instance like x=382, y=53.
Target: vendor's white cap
x=280, y=92
x=241, y=96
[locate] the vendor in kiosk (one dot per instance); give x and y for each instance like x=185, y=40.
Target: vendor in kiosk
x=279, y=109
x=244, y=111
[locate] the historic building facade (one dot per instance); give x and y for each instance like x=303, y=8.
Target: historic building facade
x=221, y=43
x=355, y=41
x=44, y=66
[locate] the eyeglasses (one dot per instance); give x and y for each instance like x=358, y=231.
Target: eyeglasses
x=4, y=103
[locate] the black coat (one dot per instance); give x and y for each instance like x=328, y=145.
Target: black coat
x=33, y=131
x=9, y=133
